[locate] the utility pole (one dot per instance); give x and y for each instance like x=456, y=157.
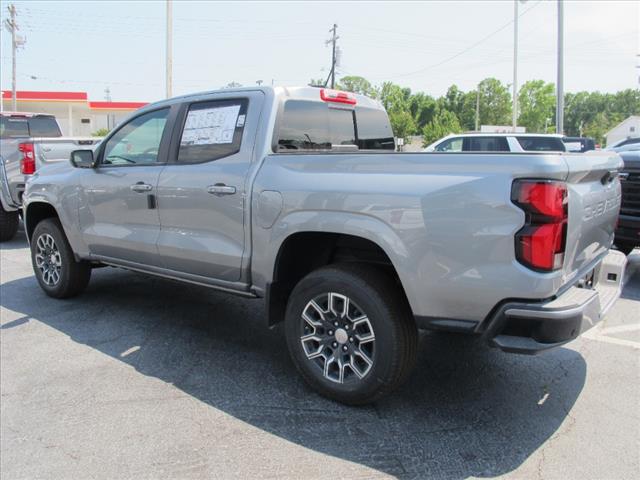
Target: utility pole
x=478, y=108
x=560, y=82
x=515, y=65
x=332, y=41
x=12, y=26
x=169, y=60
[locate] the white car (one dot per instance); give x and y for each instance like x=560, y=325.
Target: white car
x=498, y=142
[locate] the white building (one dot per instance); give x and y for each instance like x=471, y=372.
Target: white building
x=76, y=115
x=627, y=128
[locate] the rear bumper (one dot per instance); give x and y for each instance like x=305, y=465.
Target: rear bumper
x=531, y=328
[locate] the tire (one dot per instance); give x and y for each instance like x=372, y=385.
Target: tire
x=625, y=247
x=8, y=224
x=373, y=296
x=57, y=271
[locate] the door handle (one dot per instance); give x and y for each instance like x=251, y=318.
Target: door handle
x=221, y=189
x=141, y=187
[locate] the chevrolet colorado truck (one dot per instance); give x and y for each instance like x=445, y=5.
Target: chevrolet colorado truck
x=27, y=142
x=296, y=196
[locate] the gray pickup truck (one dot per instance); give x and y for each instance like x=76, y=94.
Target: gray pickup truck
x=28, y=141
x=296, y=196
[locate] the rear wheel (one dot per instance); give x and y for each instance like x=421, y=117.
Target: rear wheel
x=8, y=224
x=57, y=271
x=350, y=333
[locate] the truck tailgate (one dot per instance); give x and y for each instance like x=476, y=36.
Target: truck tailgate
x=58, y=149
x=594, y=201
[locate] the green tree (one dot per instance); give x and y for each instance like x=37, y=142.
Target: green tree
x=357, y=84
x=233, y=84
x=444, y=123
x=101, y=132
x=423, y=108
x=537, y=103
x=495, y=102
x=394, y=97
x=402, y=123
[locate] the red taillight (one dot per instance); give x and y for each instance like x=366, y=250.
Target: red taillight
x=28, y=161
x=337, y=96
x=540, y=244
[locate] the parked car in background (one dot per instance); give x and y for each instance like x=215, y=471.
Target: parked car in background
x=628, y=229
x=498, y=142
x=296, y=196
x=27, y=142
x=579, y=144
x=627, y=144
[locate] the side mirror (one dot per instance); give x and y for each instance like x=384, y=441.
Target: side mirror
x=82, y=159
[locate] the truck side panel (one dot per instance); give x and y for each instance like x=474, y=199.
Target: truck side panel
x=446, y=221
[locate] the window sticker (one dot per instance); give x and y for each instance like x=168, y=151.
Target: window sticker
x=240, y=122
x=210, y=126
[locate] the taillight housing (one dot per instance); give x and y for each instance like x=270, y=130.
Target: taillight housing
x=28, y=160
x=337, y=96
x=540, y=244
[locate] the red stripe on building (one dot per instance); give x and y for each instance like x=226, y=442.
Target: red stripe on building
x=55, y=96
x=116, y=105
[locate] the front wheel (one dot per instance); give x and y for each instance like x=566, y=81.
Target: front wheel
x=350, y=333
x=56, y=269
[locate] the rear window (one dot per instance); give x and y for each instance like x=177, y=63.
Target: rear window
x=13, y=127
x=541, y=144
x=16, y=127
x=309, y=125
x=485, y=144
x=44, y=127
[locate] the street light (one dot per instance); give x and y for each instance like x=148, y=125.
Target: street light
x=515, y=63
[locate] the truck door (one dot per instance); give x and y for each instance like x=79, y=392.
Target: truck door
x=118, y=215
x=204, y=190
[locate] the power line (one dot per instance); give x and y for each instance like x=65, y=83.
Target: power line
x=471, y=47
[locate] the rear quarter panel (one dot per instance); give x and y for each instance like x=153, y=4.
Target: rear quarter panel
x=446, y=221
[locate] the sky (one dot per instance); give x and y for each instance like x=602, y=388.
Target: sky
x=427, y=46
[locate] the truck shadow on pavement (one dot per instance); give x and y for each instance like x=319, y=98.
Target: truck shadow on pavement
x=466, y=411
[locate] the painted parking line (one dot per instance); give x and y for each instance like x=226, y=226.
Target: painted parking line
x=599, y=334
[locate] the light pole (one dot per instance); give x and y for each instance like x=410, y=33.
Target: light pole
x=169, y=53
x=515, y=66
x=560, y=82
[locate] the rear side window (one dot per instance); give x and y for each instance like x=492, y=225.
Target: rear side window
x=541, y=144
x=13, y=127
x=212, y=130
x=314, y=126
x=44, y=127
x=486, y=144
x=373, y=129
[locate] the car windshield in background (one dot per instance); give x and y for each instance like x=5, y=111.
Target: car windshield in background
x=13, y=127
x=541, y=144
x=309, y=125
x=44, y=127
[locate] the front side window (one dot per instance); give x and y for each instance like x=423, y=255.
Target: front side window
x=212, y=130
x=541, y=144
x=309, y=125
x=486, y=144
x=137, y=142
x=451, y=145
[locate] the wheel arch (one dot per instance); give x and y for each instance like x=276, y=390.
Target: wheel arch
x=293, y=261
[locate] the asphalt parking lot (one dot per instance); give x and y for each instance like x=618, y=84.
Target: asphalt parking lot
x=145, y=378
